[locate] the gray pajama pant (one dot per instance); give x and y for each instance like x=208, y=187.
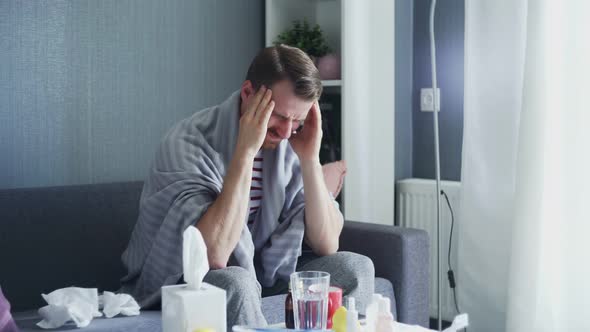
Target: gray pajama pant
x=354, y=273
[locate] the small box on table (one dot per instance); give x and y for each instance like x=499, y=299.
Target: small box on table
x=187, y=310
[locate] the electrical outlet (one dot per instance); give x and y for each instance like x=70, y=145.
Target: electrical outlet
x=427, y=99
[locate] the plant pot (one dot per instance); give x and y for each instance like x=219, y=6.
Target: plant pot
x=329, y=67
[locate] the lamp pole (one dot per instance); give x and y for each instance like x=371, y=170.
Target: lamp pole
x=437, y=163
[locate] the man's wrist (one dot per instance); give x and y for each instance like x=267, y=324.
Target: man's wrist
x=242, y=160
x=244, y=154
x=310, y=164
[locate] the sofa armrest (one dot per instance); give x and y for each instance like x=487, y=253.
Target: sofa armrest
x=400, y=255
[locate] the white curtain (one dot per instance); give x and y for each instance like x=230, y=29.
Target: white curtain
x=524, y=253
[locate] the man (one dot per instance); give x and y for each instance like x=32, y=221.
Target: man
x=238, y=171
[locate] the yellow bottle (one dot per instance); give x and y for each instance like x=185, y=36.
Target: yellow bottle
x=339, y=320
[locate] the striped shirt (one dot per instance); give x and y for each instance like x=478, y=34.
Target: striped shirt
x=255, y=189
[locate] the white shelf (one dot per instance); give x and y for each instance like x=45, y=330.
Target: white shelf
x=363, y=34
x=327, y=83
x=280, y=15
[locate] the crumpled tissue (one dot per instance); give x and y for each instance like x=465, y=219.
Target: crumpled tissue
x=113, y=304
x=81, y=305
x=72, y=303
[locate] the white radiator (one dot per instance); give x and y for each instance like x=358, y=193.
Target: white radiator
x=416, y=208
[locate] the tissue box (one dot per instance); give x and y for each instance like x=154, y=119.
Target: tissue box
x=187, y=310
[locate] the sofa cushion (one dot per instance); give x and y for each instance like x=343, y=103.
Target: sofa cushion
x=57, y=237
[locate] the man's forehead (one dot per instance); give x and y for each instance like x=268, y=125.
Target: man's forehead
x=294, y=110
x=290, y=115
x=287, y=104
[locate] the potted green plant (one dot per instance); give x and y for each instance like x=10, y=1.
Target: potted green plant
x=308, y=38
x=311, y=40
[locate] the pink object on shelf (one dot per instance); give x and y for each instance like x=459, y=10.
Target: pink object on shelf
x=329, y=67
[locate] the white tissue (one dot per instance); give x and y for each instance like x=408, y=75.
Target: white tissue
x=460, y=322
x=113, y=304
x=196, y=304
x=79, y=305
x=194, y=258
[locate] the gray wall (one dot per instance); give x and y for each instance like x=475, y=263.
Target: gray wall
x=449, y=32
x=88, y=88
x=404, y=52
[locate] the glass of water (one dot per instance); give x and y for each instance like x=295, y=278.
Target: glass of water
x=310, y=299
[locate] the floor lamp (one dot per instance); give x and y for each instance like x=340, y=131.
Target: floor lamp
x=437, y=163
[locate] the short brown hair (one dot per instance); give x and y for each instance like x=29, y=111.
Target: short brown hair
x=280, y=62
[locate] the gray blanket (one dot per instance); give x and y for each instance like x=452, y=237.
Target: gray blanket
x=185, y=178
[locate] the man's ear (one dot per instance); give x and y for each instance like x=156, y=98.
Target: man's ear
x=247, y=90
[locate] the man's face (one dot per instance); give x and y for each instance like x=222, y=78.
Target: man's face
x=289, y=113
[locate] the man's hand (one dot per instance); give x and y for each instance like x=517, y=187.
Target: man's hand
x=307, y=142
x=254, y=122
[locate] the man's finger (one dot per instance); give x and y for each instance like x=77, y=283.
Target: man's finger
x=256, y=100
x=318, y=114
x=315, y=117
x=266, y=113
x=265, y=101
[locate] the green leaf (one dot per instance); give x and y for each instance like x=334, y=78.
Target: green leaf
x=308, y=38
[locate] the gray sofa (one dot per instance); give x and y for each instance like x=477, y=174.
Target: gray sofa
x=56, y=237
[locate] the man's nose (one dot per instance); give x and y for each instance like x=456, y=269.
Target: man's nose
x=285, y=129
